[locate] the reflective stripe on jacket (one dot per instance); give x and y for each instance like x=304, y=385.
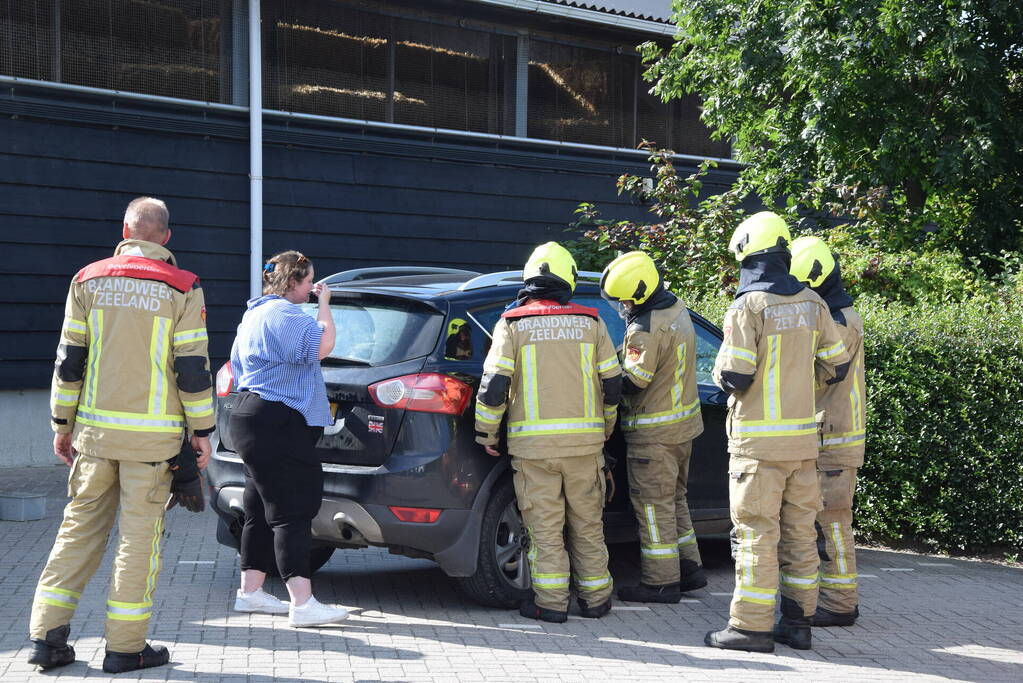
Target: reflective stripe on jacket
x=133, y=335
x=556, y=357
x=844, y=433
x=786, y=343
x=659, y=356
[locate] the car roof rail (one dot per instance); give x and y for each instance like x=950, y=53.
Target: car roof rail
x=509, y=276
x=392, y=271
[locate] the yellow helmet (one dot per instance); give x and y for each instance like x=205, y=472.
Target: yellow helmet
x=551, y=260
x=812, y=261
x=764, y=231
x=630, y=277
x=455, y=326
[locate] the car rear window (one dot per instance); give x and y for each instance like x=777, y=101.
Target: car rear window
x=381, y=331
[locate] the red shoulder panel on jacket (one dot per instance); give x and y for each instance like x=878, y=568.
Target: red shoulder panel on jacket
x=140, y=268
x=550, y=308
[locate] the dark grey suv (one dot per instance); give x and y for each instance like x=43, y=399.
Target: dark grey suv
x=401, y=468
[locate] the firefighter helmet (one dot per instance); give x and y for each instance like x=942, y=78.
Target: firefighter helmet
x=554, y=261
x=455, y=326
x=812, y=261
x=630, y=277
x=761, y=232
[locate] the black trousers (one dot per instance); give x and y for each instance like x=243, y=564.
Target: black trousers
x=283, y=484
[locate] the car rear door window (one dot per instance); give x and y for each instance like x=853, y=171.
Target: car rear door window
x=614, y=322
x=488, y=316
x=707, y=342
x=707, y=345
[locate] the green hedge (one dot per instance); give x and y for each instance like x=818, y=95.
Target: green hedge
x=944, y=463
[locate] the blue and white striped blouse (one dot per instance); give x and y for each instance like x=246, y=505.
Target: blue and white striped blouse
x=276, y=355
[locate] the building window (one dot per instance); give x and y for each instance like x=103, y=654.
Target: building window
x=323, y=57
x=580, y=94
x=688, y=135
x=327, y=59
x=26, y=39
x=172, y=48
x=452, y=77
x=596, y=96
x=356, y=60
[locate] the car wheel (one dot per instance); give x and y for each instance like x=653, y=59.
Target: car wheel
x=502, y=568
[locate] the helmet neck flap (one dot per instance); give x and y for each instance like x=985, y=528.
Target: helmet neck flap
x=768, y=272
x=661, y=298
x=545, y=289
x=833, y=291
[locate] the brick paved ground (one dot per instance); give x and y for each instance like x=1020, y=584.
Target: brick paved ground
x=924, y=618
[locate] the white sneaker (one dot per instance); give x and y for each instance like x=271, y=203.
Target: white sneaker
x=314, y=613
x=259, y=601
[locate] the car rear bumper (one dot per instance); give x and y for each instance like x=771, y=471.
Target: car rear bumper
x=345, y=523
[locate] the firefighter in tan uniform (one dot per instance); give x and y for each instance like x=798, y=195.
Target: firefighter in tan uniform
x=131, y=376
x=660, y=419
x=779, y=341
x=552, y=368
x=843, y=438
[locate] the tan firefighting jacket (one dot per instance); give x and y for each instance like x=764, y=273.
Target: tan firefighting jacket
x=132, y=369
x=659, y=356
x=777, y=340
x=844, y=434
x=556, y=357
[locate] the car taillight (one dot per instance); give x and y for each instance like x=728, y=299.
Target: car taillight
x=428, y=393
x=418, y=515
x=225, y=378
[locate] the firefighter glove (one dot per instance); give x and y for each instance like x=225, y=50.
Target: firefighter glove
x=186, y=485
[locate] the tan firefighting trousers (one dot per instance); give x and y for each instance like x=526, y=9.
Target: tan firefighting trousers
x=658, y=481
x=838, y=591
x=96, y=487
x=562, y=500
x=773, y=506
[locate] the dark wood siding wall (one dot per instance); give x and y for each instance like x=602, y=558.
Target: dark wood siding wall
x=346, y=195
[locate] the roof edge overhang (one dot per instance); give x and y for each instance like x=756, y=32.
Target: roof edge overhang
x=585, y=15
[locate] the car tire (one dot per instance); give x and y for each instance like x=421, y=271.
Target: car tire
x=502, y=568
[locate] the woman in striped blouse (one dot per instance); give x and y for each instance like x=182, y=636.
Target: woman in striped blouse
x=280, y=414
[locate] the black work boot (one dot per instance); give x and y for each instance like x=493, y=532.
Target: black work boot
x=595, y=612
x=824, y=617
x=692, y=576
x=531, y=610
x=53, y=651
x=738, y=639
x=793, y=629
x=668, y=593
x=120, y=662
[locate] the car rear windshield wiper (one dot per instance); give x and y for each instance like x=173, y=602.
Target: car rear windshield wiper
x=341, y=360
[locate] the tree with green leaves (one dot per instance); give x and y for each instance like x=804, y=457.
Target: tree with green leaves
x=907, y=114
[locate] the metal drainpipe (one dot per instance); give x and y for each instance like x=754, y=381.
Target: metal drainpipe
x=255, y=151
